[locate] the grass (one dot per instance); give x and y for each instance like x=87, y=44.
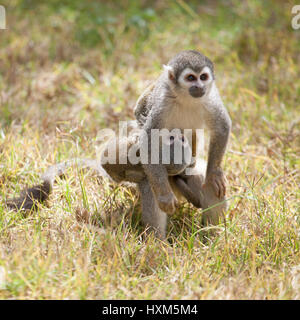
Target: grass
x=71, y=68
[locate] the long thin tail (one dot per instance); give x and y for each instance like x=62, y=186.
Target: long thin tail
x=29, y=198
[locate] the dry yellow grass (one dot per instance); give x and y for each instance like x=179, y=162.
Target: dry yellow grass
x=68, y=69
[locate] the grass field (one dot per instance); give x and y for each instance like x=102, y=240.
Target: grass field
x=71, y=68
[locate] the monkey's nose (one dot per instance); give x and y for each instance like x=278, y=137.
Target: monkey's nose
x=196, y=91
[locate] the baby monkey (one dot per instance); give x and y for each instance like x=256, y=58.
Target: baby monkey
x=184, y=186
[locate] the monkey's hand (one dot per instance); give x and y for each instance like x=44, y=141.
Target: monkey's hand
x=167, y=203
x=217, y=179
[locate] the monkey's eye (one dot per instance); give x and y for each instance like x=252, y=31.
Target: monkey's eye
x=190, y=77
x=204, y=76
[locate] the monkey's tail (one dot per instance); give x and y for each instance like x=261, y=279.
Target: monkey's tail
x=31, y=197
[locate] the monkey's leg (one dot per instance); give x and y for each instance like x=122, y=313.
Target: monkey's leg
x=189, y=189
x=202, y=195
x=152, y=216
x=220, y=129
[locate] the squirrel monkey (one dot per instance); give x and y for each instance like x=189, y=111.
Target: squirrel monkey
x=152, y=216
x=185, y=96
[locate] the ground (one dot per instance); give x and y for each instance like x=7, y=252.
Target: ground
x=71, y=68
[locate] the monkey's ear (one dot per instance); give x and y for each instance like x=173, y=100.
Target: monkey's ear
x=171, y=73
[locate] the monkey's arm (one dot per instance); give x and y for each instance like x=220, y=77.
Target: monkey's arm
x=156, y=173
x=158, y=179
x=219, y=126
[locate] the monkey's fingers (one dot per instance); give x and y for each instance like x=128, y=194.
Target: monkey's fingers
x=219, y=187
x=222, y=187
x=218, y=182
x=216, y=188
x=167, y=203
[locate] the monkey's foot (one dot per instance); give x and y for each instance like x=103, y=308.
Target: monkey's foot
x=167, y=203
x=217, y=180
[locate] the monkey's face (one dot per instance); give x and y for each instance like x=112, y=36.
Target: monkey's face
x=176, y=153
x=190, y=73
x=195, y=83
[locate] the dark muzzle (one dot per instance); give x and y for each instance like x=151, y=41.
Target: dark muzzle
x=196, y=92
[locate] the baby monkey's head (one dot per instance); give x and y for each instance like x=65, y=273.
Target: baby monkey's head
x=175, y=153
x=191, y=72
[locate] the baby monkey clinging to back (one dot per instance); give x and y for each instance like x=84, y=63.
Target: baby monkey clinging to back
x=120, y=171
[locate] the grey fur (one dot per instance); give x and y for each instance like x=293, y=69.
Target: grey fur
x=165, y=104
x=152, y=216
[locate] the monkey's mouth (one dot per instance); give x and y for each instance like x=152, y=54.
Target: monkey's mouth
x=196, y=92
